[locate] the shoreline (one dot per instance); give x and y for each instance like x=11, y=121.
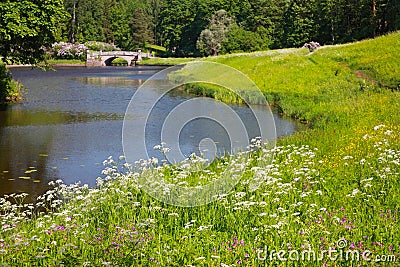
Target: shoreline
x=157, y=62
x=50, y=65
x=83, y=65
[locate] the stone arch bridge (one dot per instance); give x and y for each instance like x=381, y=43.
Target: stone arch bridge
x=99, y=58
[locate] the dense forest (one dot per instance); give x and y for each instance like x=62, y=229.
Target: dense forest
x=248, y=25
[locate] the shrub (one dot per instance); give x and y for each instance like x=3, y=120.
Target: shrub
x=68, y=51
x=312, y=46
x=10, y=90
x=101, y=46
x=240, y=40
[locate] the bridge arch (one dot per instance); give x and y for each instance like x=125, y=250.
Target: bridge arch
x=108, y=62
x=99, y=58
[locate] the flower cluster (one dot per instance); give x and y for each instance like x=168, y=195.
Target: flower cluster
x=290, y=197
x=68, y=51
x=311, y=46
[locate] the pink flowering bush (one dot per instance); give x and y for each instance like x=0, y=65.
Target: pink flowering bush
x=68, y=51
x=311, y=46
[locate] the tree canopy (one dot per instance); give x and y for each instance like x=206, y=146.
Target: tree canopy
x=183, y=26
x=211, y=38
x=26, y=26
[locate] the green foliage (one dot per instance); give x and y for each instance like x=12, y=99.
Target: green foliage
x=125, y=23
x=100, y=46
x=211, y=38
x=119, y=62
x=263, y=15
x=299, y=26
x=5, y=80
x=177, y=25
x=175, y=20
x=141, y=28
x=239, y=40
x=90, y=20
x=153, y=10
x=10, y=90
x=156, y=48
x=27, y=26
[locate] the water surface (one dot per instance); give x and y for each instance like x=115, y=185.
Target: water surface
x=71, y=121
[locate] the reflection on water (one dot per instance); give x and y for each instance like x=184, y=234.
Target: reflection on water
x=37, y=118
x=71, y=121
x=110, y=81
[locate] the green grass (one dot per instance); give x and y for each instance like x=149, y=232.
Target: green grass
x=65, y=61
x=164, y=61
x=119, y=62
x=156, y=47
x=336, y=181
x=325, y=89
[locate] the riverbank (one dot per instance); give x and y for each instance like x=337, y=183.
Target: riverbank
x=10, y=90
x=78, y=63
x=158, y=61
x=53, y=63
x=334, y=186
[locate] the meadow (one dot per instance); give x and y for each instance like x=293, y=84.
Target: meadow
x=331, y=187
x=165, y=61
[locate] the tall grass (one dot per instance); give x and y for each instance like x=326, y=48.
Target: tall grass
x=335, y=90
x=334, y=186
x=164, y=61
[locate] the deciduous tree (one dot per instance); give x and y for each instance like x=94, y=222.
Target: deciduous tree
x=210, y=39
x=26, y=26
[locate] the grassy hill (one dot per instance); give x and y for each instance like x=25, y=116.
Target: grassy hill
x=334, y=186
x=344, y=87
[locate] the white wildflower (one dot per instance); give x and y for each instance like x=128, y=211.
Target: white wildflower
x=367, y=136
x=204, y=227
x=376, y=128
x=388, y=132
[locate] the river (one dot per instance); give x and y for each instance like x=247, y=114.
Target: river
x=71, y=121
